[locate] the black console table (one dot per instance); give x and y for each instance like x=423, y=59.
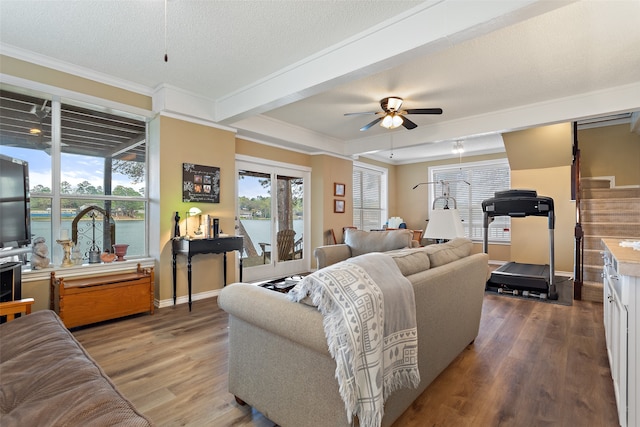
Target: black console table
x=219, y=245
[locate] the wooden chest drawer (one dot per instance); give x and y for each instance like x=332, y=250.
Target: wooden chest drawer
x=82, y=301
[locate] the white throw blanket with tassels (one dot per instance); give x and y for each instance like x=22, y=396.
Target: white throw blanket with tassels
x=370, y=323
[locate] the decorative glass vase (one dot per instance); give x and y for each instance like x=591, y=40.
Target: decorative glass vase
x=120, y=250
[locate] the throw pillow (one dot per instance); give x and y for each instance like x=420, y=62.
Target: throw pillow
x=411, y=261
x=444, y=253
x=362, y=242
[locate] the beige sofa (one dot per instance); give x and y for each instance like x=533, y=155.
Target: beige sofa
x=279, y=362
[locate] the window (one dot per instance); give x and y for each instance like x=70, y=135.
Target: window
x=369, y=196
x=484, y=178
x=79, y=155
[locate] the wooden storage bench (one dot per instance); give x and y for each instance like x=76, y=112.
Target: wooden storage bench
x=88, y=300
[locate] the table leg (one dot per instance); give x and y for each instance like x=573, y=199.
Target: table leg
x=189, y=279
x=173, y=264
x=225, y=269
x=241, y=266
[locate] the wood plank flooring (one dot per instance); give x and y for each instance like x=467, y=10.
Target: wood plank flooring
x=533, y=364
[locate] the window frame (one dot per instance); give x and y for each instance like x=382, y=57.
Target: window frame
x=57, y=97
x=384, y=185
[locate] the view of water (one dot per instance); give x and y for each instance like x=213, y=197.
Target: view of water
x=132, y=232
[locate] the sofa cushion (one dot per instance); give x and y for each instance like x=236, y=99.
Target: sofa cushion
x=48, y=378
x=362, y=242
x=444, y=253
x=411, y=261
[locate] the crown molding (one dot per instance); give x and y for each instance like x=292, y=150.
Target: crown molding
x=65, y=67
x=196, y=120
x=72, y=96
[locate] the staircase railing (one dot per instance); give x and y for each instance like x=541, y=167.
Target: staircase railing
x=578, y=232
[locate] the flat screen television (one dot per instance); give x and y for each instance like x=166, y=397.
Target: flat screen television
x=15, y=213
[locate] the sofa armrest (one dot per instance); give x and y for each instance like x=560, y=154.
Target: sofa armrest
x=274, y=312
x=331, y=254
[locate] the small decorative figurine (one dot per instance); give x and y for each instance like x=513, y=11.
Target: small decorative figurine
x=107, y=256
x=176, y=229
x=40, y=256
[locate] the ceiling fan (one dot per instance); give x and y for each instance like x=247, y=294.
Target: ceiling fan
x=41, y=113
x=392, y=116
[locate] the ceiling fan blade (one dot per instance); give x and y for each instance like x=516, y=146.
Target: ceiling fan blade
x=424, y=111
x=365, y=113
x=408, y=123
x=367, y=126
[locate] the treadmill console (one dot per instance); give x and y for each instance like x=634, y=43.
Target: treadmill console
x=517, y=203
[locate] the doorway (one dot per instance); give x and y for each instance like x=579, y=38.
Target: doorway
x=273, y=218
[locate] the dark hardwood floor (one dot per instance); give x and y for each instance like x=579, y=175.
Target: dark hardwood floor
x=533, y=364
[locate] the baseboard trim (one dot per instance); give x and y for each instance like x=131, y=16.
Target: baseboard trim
x=185, y=298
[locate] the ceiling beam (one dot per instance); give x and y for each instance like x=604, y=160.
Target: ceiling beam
x=619, y=99
x=432, y=26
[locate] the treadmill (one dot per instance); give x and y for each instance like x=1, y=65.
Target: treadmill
x=512, y=277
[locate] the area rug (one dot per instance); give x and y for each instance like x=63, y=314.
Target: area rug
x=564, y=286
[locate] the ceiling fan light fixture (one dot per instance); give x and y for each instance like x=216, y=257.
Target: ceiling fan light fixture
x=391, y=121
x=387, y=122
x=35, y=131
x=458, y=147
x=397, y=121
x=392, y=116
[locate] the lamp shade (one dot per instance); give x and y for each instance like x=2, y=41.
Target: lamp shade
x=444, y=224
x=194, y=211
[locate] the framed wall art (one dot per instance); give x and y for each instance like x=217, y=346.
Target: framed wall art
x=200, y=183
x=338, y=206
x=338, y=189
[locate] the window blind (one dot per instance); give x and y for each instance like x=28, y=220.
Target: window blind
x=484, y=178
x=367, y=198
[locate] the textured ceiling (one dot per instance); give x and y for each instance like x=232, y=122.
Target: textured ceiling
x=214, y=47
x=285, y=72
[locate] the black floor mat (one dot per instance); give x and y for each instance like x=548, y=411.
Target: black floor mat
x=564, y=287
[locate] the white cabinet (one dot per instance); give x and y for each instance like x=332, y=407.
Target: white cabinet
x=621, y=322
x=616, y=321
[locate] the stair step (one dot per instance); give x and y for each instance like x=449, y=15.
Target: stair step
x=613, y=204
x=621, y=230
x=608, y=215
x=593, y=242
x=595, y=183
x=592, y=291
x=592, y=273
x=610, y=193
x=593, y=257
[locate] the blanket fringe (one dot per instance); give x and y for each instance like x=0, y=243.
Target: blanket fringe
x=398, y=380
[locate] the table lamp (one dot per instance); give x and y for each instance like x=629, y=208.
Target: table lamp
x=444, y=224
x=191, y=212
